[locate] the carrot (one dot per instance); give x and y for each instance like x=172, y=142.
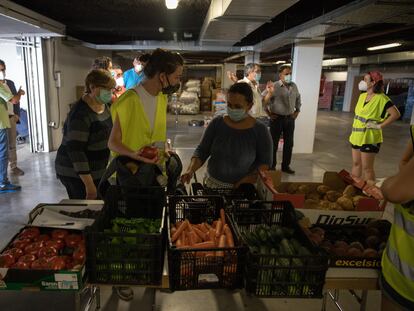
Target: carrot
x=173, y=229
x=203, y=228
x=214, y=224
x=191, y=239
x=212, y=235
x=210, y=254
x=219, y=228
x=207, y=244
x=178, y=232
x=207, y=226
x=200, y=233
x=229, y=236
x=178, y=243
x=184, y=238
x=222, y=216
x=178, y=224
x=222, y=244
x=189, y=225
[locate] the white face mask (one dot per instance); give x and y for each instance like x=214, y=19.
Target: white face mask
x=363, y=86
x=138, y=67
x=120, y=81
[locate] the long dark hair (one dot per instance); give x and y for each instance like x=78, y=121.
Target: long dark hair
x=162, y=61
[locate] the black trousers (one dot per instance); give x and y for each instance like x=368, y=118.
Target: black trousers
x=282, y=125
x=75, y=187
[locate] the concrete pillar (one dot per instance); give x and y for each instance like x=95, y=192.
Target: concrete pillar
x=353, y=71
x=306, y=73
x=226, y=82
x=252, y=57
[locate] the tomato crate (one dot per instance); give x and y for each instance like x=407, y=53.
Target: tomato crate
x=282, y=261
x=124, y=257
x=203, y=268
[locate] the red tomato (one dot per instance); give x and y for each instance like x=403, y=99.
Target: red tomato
x=6, y=260
x=58, y=244
x=15, y=252
x=30, y=233
x=28, y=258
x=40, y=264
x=21, y=243
x=42, y=237
x=47, y=252
x=149, y=152
x=22, y=265
x=59, y=234
x=79, y=254
x=34, y=247
x=57, y=263
x=73, y=240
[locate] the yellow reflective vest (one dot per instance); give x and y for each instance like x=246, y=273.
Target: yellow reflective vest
x=371, y=111
x=398, y=257
x=135, y=126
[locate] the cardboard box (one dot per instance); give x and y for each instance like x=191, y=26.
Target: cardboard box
x=18, y=279
x=271, y=188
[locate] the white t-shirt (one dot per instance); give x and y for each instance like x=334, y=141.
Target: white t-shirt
x=149, y=103
x=257, y=109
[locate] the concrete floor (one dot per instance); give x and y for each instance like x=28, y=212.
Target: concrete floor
x=331, y=152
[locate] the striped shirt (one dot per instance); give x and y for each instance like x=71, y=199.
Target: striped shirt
x=84, y=148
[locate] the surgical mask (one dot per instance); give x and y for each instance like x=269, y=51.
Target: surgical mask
x=236, y=115
x=120, y=81
x=288, y=79
x=3, y=73
x=258, y=77
x=112, y=73
x=138, y=68
x=170, y=89
x=105, y=96
x=363, y=86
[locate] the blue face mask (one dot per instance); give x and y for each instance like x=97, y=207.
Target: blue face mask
x=105, y=96
x=258, y=76
x=288, y=79
x=236, y=115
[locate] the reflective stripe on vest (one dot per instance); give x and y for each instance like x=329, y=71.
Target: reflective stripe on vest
x=355, y=129
x=360, y=119
x=405, y=269
x=405, y=224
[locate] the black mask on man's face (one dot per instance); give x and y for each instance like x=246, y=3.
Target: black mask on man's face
x=170, y=89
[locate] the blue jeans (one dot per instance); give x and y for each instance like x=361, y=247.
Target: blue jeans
x=4, y=156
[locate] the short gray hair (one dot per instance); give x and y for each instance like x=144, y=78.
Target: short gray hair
x=249, y=68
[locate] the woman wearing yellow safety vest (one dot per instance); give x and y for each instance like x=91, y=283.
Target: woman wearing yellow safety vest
x=373, y=112
x=397, y=280
x=140, y=114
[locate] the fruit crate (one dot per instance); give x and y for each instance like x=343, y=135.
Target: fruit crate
x=275, y=274
x=355, y=246
x=187, y=269
x=124, y=258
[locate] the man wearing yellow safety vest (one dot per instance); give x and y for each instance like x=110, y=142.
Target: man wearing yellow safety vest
x=397, y=280
x=140, y=115
x=373, y=112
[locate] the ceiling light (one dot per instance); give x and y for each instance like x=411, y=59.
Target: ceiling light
x=280, y=62
x=384, y=46
x=161, y=29
x=171, y=4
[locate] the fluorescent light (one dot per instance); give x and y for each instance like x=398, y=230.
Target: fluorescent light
x=384, y=46
x=280, y=62
x=171, y=4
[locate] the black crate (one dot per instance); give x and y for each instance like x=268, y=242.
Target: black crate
x=138, y=262
x=266, y=278
x=187, y=270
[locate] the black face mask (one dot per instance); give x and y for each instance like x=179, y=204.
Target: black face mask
x=170, y=89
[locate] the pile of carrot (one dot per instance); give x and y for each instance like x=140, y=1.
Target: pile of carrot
x=203, y=236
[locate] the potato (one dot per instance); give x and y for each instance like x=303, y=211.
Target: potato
x=372, y=241
x=333, y=195
x=349, y=191
x=339, y=251
x=324, y=205
x=303, y=189
x=311, y=204
x=322, y=189
x=292, y=188
x=313, y=196
x=355, y=199
x=341, y=244
x=345, y=203
x=357, y=245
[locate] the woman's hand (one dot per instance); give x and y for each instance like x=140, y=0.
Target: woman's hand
x=186, y=177
x=91, y=192
x=137, y=156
